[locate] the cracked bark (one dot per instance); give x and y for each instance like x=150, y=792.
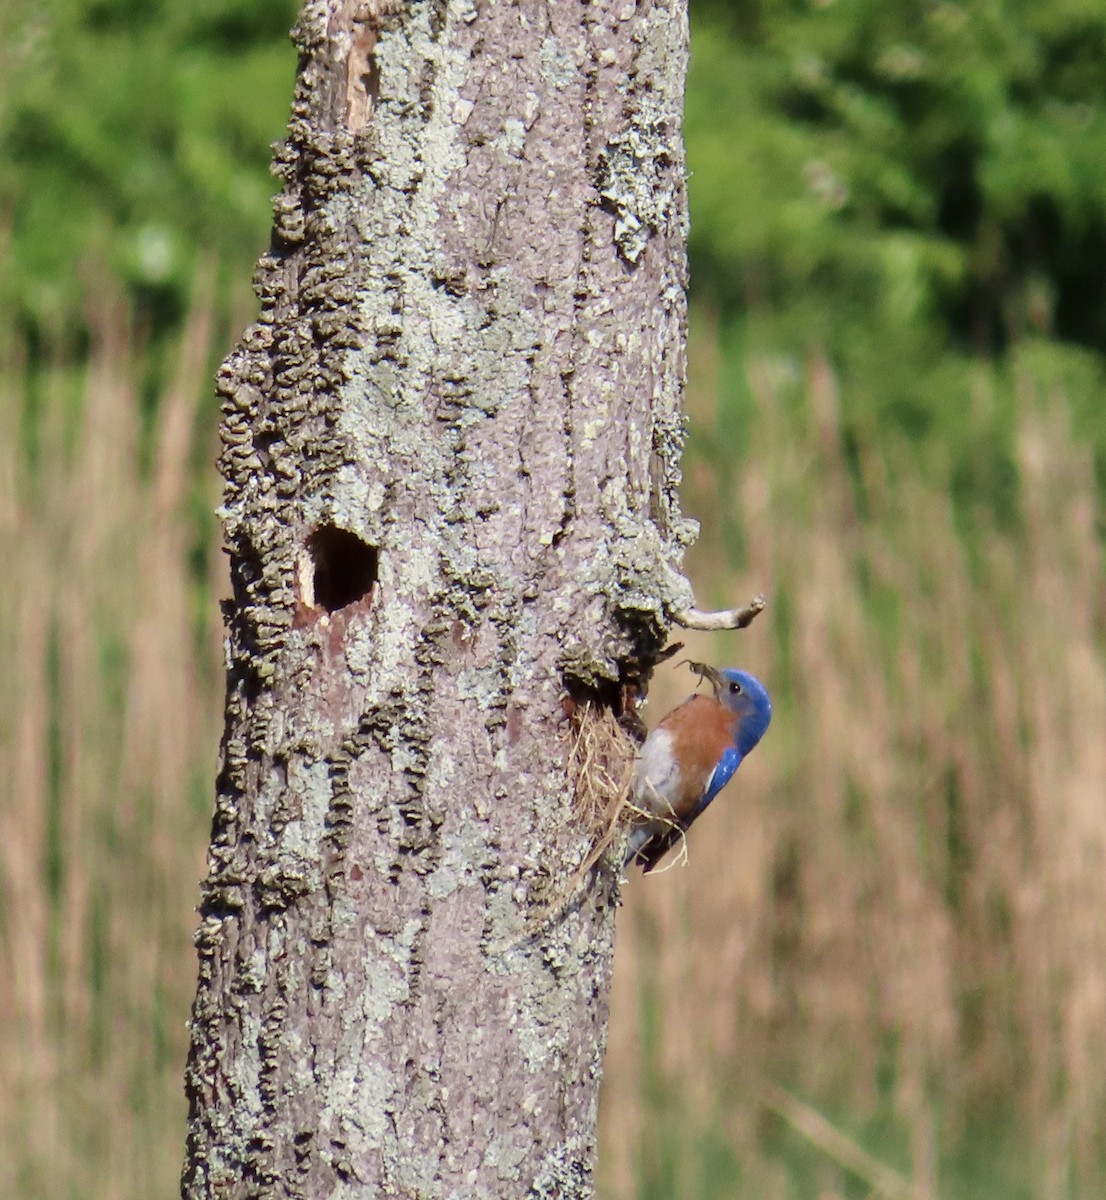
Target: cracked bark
x=451, y=456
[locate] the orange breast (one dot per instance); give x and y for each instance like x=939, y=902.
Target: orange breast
x=701, y=730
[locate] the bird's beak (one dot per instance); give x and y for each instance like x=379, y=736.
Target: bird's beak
x=706, y=671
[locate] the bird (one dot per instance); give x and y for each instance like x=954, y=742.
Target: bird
x=691, y=756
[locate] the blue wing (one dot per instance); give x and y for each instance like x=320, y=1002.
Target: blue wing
x=720, y=776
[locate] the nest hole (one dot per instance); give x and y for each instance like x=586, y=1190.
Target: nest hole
x=344, y=568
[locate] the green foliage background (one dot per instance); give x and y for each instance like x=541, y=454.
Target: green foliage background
x=913, y=193
x=134, y=141
x=909, y=187
x=913, y=188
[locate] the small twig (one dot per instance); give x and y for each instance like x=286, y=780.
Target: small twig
x=839, y=1146
x=730, y=618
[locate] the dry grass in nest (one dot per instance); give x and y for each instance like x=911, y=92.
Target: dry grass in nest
x=603, y=759
x=601, y=766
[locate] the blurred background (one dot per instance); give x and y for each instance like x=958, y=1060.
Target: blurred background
x=884, y=972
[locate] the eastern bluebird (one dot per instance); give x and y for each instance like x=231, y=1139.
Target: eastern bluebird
x=691, y=756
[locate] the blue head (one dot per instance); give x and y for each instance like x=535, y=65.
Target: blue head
x=746, y=696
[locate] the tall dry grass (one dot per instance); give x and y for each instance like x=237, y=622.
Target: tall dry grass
x=109, y=714
x=899, y=914
x=897, y=918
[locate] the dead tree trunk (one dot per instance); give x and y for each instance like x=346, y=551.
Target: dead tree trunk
x=451, y=448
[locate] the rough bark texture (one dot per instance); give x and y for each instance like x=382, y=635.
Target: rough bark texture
x=451, y=448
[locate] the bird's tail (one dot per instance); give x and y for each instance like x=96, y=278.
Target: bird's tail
x=639, y=835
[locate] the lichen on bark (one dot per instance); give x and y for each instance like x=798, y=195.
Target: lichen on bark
x=461, y=379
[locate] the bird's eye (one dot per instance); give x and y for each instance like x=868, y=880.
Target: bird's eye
x=735, y=689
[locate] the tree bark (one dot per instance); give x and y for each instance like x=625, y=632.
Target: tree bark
x=451, y=456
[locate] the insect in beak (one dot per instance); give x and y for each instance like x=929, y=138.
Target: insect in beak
x=706, y=671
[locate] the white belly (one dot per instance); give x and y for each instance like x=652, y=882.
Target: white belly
x=657, y=777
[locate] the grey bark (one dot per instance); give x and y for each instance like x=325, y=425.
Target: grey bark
x=451, y=456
